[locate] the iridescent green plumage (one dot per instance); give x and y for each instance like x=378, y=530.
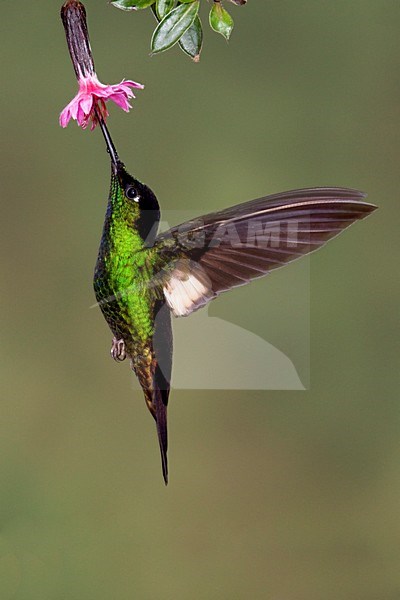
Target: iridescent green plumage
x=128, y=263
x=124, y=284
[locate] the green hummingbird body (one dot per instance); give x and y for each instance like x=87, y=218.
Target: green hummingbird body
x=125, y=267
x=126, y=290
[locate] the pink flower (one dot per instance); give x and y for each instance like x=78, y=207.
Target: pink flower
x=90, y=101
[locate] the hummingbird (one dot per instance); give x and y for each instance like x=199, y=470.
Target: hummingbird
x=143, y=277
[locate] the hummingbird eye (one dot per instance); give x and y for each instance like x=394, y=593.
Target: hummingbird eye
x=132, y=194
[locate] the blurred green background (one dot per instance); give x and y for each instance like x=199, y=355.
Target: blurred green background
x=272, y=495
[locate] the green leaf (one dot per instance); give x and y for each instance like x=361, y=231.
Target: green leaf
x=220, y=20
x=132, y=4
x=124, y=4
x=192, y=40
x=163, y=7
x=173, y=26
x=143, y=3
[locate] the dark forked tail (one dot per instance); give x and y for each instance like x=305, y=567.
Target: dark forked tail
x=156, y=389
x=156, y=399
x=160, y=406
x=162, y=344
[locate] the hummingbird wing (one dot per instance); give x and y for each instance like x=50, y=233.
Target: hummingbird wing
x=225, y=249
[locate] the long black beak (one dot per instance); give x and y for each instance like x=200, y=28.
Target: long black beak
x=109, y=143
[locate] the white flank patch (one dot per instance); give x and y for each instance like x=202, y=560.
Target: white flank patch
x=187, y=289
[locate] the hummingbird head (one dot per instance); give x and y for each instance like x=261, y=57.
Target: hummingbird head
x=139, y=204
x=130, y=199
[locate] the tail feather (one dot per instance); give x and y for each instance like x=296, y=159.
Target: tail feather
x=162, y=430
x=156, y=400
x=154, y=374
x=162, y=344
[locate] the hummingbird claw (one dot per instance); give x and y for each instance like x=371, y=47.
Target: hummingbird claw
x=118, y=351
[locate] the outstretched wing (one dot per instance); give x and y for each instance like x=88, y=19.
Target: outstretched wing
x=222, y=250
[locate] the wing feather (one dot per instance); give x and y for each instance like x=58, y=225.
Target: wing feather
x=222, y=250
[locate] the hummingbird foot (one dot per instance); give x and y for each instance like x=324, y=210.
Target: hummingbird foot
x=118, y=351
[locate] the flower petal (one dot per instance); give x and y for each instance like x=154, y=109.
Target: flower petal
x=74, y=106
x=121, y=101
x=86, y=104
x=134, y=84
x=82, y=117
x=65, y=117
